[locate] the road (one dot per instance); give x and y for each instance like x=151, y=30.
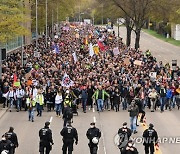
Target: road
x=163, y=51
x=167, y=124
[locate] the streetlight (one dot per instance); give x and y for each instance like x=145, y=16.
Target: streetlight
x=46, y=25
x=36, y=25
x=102, y=15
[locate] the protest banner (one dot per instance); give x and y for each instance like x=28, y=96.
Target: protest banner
x=91, y=51
x=137, y=62
x=66, y=81
x=116, y=51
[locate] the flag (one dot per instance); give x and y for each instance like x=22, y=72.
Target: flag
x=66, y=81
x=91, y=51
x=56, y=48
x=75, y=57
x=101, y=46
x=15, y=77
x=86, y=41
x=96, y=49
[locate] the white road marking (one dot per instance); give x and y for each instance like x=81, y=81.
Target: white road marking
x=94, y=118
x=51, y=119
x=93, y=109
x=103, y=142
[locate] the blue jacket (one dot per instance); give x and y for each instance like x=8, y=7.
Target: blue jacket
x=168, y=93
x=84, y=94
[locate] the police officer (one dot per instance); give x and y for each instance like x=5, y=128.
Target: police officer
x=69, y=134
x=13, y=138
x=150, y=137
x=130, y=148
x=124, y=135
x=6, y=146
x=93, y=134
x=67, y=114
x=46, y=140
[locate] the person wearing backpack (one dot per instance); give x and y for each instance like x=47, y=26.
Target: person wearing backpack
x=67, y=115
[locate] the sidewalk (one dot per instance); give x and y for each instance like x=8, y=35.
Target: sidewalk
x=2, y=111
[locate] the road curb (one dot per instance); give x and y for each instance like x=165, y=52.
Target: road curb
x=2, y=112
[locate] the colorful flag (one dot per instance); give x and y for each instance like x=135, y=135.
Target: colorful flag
x=66, y=81
x=96, y=49
x=91, y=51
x=86, y=41
x=101, y=46
x=15, y=77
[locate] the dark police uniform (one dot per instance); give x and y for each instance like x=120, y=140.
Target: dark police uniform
x=6, y=145
x=150, y=137
x=46, y=140
x=67, y=115
x=69, y=134
x=91, y=133
x=124, y=135
x=13, y=138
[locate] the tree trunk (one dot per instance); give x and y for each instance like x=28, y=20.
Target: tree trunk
x=128, y=38
x=129, y=30
x=137, y=41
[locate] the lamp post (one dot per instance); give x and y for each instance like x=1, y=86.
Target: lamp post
x=102, y=15
x=36, y=25
x=46, y=25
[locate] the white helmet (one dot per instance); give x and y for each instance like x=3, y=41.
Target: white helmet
x=95, y=140
x=4, y=152
x=67, y=91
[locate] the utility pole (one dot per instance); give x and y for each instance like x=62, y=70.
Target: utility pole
x=0, y=63
x=46, y=24
x=22, y=51
x=102, y=15
x=36, y=25
x=79, y=13
x=52, y=23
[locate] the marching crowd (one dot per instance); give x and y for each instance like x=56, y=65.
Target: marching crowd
x=106, y=77
x=67, y=74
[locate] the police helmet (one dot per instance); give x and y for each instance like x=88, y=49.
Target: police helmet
x=95, y=140
x=5, y=152
x=67, y=91
x=47, y=123
x=151, y=125
x=125, y=124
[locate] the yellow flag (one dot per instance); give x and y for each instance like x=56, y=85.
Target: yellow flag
x=96, y=50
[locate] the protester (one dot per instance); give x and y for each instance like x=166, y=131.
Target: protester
x=133, y=112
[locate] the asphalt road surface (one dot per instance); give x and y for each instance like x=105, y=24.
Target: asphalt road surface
x=163, y=51
x=167, y=125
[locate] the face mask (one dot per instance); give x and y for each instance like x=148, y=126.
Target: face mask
x=130, y=144
x=124, y=126
x=92, y=126
x=3, y=138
